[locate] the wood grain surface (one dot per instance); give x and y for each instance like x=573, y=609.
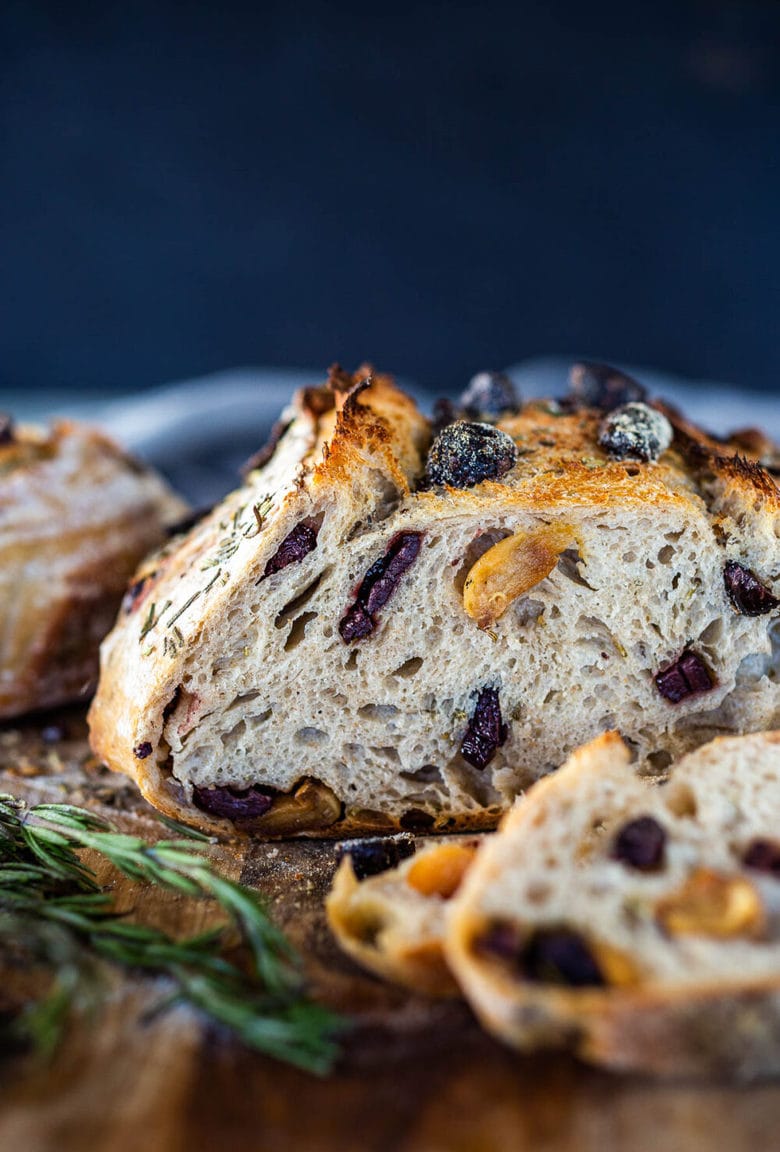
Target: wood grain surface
x=416, y=1075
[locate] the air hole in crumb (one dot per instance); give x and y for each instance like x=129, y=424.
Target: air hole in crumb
x=428, y=774
x=297, y=631
x=231, y=739
x=477, y=548
x=310, y=737
x=351, y=663
x=660, y=760
x=377, y=711
x=569, y=566
x=537, y=893
x=293, y=606
x=666, y=555
x=527, y=611
x=680, y=800
x=244, y=698
x=409, y=668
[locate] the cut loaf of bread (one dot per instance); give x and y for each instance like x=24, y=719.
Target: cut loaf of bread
x=635, y=923
x=76, y=516
x=367, y=635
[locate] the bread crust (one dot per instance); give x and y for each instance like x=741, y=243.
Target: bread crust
x=76, y=516
x=351, y=460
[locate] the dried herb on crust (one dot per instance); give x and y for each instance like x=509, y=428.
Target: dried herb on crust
x=748, y=595
x=486, y=731
x=378, y=585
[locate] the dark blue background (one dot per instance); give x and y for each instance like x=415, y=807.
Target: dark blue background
x=437, y=186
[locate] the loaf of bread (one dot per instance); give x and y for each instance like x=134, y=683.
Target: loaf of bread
x=636, y=924
x=400, y=624
x=76, y=516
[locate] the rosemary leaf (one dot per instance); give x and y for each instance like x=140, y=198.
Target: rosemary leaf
x=53, y=913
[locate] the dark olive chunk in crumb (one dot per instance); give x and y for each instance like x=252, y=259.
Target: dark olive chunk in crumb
x=376, y=854
x=233, y=803
x=486, y=731
x=599, y=386
x=560, y=956
x=378, y=585
x=746, y=592
x=763, y=856
x=635, y=432
x=464, y=454
x=641, y=844
x=489, y=394
x=142, y=750
x=687, y=676
x=296, y=545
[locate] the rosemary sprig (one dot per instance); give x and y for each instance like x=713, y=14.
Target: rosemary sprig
x=54, y=915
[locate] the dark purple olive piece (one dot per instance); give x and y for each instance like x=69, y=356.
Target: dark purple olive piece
x=444, y=412
x=6, y=429
x=501, y=939
x=560, y=956
x=52, y=733
x=486, y=731
x=763, y=856
x=378, y=585
x=233, y=803
x=489, y=394
x=415, y=820
x=600, y=386
x=465, y=454
x=376, y=854
x=640, y=844
x=635, y=432
x=688, y=676
x=746, y=592
x=142, y=750
x=298, y=543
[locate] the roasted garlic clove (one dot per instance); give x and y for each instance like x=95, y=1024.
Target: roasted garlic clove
x=311, y=806
x=511, y=568
x=711, y=904
x=440, y=871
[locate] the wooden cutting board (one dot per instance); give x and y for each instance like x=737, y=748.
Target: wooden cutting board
x=416, y=1076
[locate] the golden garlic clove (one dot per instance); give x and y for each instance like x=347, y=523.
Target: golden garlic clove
x=311, y=806
x=439, y=872
x=711, y=904
x=511, y=568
